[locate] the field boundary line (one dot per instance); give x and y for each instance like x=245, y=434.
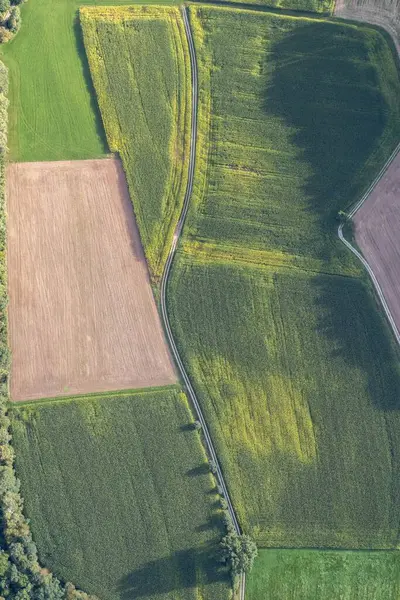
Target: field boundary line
x=166, y=275
x=358, y=254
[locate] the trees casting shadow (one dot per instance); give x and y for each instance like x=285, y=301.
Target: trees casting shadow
x=174, y=572
x=326, y=89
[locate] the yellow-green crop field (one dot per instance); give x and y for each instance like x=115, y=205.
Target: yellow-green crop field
x=139, y=62
x=295, y=368
x=120, y=499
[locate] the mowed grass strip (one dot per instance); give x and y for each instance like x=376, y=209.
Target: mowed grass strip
x=119, y=496
x=312, y=575
x=139, y=62
x=296, y=117
x=303, y=409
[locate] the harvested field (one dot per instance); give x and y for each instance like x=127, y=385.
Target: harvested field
x=82, y=317
x=385, y=13
x=376, y=228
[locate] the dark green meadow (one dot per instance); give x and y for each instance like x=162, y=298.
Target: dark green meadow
x=120, y=499
x=295, y=368
x=329, y=575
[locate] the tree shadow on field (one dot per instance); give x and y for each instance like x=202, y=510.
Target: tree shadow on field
x=326, y=89
x=337, y=115
x=80, y=48
x=175, y=572
x=353, y=322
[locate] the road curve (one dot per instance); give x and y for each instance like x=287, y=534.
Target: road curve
x=360, y=256
x=167, y=272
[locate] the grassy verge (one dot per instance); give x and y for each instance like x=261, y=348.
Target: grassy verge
x=120, y=496
x=139, y=62
x=272, y=316
x=312, y=575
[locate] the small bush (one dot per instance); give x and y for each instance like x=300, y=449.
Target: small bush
x=4, y=6
x=238, y=552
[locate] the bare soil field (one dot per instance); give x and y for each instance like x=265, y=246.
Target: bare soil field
x=82, y=317
x=377, y=227
x=385, y=13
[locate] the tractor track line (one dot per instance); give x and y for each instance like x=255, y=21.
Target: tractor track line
x=165, y=278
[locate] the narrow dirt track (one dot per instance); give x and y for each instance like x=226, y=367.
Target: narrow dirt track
x=165, y=278
x=82, y=316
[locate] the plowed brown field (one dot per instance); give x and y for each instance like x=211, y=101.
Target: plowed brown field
x=376, y=228
x=82, y=317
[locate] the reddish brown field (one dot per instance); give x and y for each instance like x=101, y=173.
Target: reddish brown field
x=385, y=13
x=377, y=233
x=82, y=317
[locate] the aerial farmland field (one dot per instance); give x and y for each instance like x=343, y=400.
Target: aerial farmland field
x=133, y=51
x=119, y=496
x=272, y=315
x=82, y=317
x=293, y=363
x=312, y=575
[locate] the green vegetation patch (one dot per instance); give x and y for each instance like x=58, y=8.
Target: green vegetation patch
x=312, y=575
x=120, y=496
x=296, y=117
x=296, y=370
x=303, y=409
x=139, y=62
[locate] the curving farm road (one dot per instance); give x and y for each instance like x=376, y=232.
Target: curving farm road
x=165, y=277
x=368, y=13
x=365, y=263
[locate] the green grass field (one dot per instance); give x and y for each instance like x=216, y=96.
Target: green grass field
x=53, y=110
x=313, y=575
x=119, y=496
x=139, y=62
x=273, y=317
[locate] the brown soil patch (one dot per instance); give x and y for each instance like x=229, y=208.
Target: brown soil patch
x=82, y=317
x=377, y=227
x=385, y=13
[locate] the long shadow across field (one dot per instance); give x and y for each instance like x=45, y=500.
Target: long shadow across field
x=339, y=115
x=80, y=49
x=151, y=580
x=319, y=88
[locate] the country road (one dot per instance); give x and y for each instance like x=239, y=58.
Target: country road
x=165, y=277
